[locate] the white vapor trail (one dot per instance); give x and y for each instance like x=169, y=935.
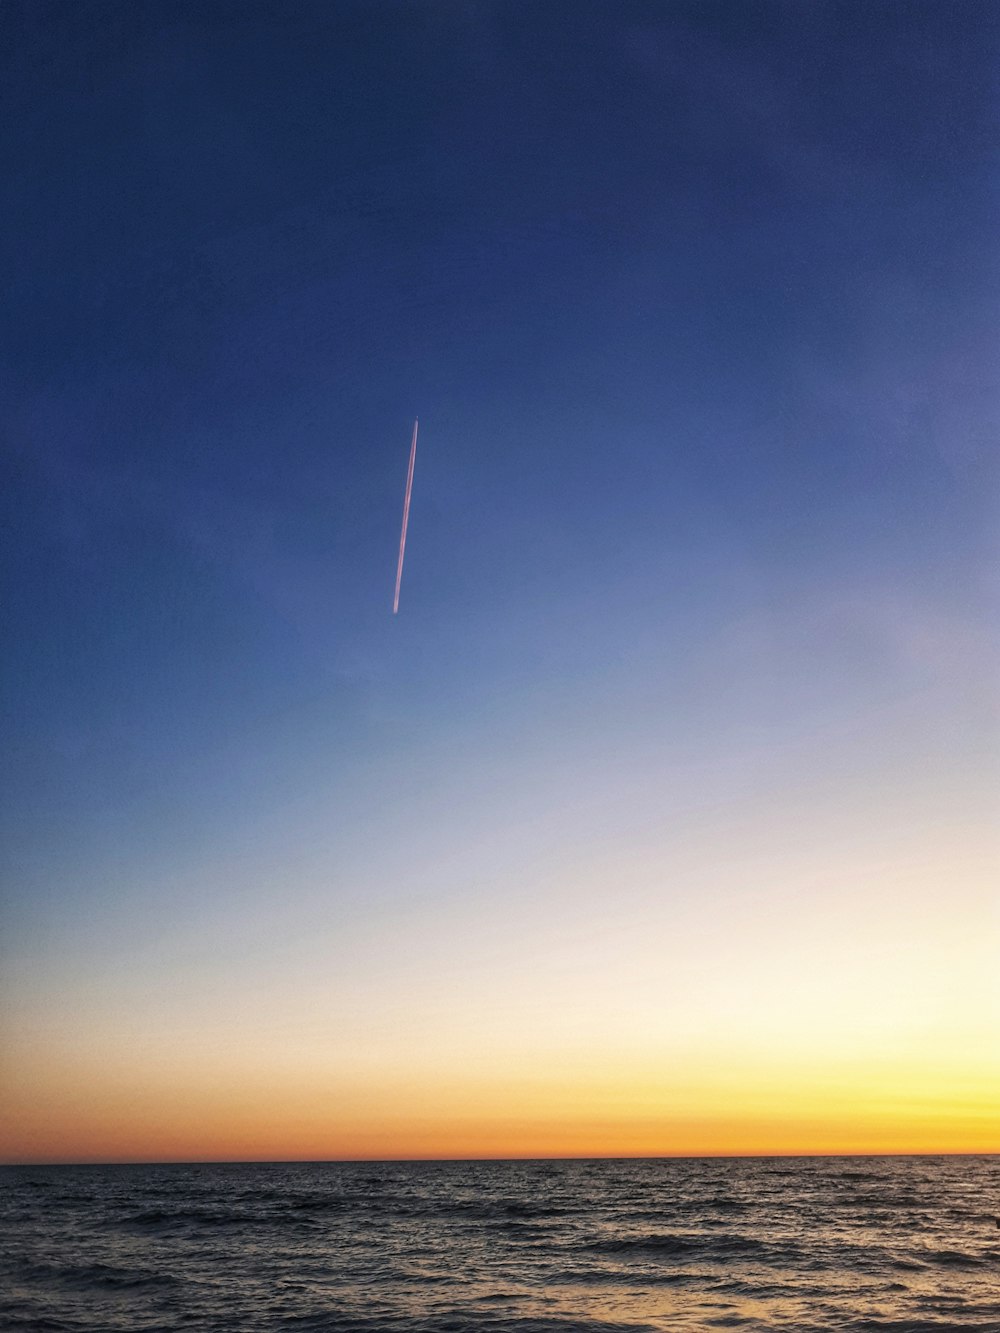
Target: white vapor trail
x=406, y=517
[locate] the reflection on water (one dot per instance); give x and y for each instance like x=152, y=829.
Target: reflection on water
x=903, y=1244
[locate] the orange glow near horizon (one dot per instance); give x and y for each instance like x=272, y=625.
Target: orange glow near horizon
x=774, y=1011
x=237, y=1114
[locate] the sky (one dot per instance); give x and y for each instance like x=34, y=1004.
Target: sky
x=662, y=818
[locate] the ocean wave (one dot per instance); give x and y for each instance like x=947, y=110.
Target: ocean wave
x=613, y=1276
x=727, y=1247
x=458, y=1322
x=524, y=1208
x=104, y=1275
x=42, y=1324
x=86, y=1277
x=652, y=1243
x=167, y=1219
x=523, y=1231
x=310, y=1203
x=880, y=1199
x=956, y=1259
x=905, y=1325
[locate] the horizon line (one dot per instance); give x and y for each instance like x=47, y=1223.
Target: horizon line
x=404, y=1161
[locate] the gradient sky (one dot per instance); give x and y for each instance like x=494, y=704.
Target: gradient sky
x=662, y=818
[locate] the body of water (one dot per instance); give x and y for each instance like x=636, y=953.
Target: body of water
x=900, y=1245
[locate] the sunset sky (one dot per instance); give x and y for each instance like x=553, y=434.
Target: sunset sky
x=663, y=817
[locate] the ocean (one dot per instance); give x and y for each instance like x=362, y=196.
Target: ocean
x=900, y=1244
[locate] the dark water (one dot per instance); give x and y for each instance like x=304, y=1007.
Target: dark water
x=904, y=1244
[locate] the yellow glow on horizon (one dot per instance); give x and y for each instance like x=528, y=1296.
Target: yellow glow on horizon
x=773, y=1011
x=232, y=1111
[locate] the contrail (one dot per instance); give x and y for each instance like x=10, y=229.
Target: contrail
x=406, y=516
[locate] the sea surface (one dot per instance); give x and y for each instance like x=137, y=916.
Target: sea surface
x=907, y=1244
